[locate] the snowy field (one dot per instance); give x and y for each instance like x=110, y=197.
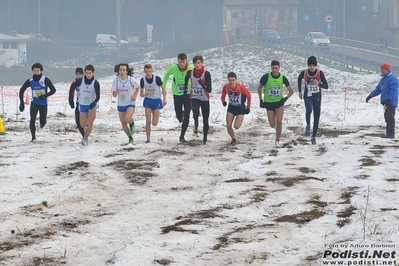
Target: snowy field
x=168, y=203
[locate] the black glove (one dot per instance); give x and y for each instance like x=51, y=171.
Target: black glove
x=72, y=104
x=92, y=105
x=388, y=102
x=224, y=103
x=247, y=111
x=261, y=104
x=285, y=99
x=21, y=107
x=201, y=83
x=368, y=99
x=43, y=97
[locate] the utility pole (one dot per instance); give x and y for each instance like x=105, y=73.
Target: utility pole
x=118, y=31
x=9, y=15
x=343, y=43
x=38, y=11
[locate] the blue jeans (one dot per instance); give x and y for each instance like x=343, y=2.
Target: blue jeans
x=313, y=104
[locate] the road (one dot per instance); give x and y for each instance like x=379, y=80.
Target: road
x=367, y=56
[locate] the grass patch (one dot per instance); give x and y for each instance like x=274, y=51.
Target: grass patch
x=301, y=218
x=234, y=236
x=271, y=173
x=321, y=150
x=172, y=152
x=348, y=194
x=315, y=200
x=181, y=188
x=388, y=209
x=178, y=226
x=361, y=177
x=347, y=212
x=333, y=133
x=291, y=181
x=163, y=261
x=191, y=219
x=306, y=170
x=70, y=167
x=123, y=165
x=367, y=161
x=136, y=172
x=377, y=150
x=238, y=180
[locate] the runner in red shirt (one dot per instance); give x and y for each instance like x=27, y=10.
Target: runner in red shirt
x=238, y=96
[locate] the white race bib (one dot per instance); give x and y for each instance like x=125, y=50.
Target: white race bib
x=198, y=91
x=274, y=92
x=313, y=88
x=234, y=100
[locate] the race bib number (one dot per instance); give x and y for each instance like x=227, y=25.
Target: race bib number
x=198, y=91
x=274, y=92
x=313, y=88
x=180, y=87
x=123, y=97
x=234, y=100
x=39, y=93
x=86, y=100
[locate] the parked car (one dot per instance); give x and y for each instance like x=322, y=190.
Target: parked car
x=108, y=40
x=317, y=39
x=39, y=37
x=270, y=36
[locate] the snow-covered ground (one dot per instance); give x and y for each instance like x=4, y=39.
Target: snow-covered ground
x=167, y=203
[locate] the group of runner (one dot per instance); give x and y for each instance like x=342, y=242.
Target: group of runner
x=191, y=88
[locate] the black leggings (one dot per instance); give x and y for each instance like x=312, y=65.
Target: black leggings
x=77, y=120
x=182, y=102
x=205, y=110
x=34, y=109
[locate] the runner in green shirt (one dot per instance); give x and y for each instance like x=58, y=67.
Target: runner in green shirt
x=181, y=94
x=271, y=86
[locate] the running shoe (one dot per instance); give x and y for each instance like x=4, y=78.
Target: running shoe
x=313, y=140
x=307, y=131
x=277, y=144
x=182, y=139
x=388, y=137
x=84, y=142
x=147, y=141
x=195, y=130
x=233, y=142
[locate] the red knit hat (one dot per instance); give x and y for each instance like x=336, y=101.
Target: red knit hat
x=386, y=67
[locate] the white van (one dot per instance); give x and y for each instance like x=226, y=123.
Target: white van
x=107, y=40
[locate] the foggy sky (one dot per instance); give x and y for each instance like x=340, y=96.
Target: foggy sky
x=82, y=20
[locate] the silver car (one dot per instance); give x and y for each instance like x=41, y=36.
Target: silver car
x=317, y=39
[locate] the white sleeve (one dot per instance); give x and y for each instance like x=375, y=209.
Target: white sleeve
x=135, y=83
x=114, y=83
